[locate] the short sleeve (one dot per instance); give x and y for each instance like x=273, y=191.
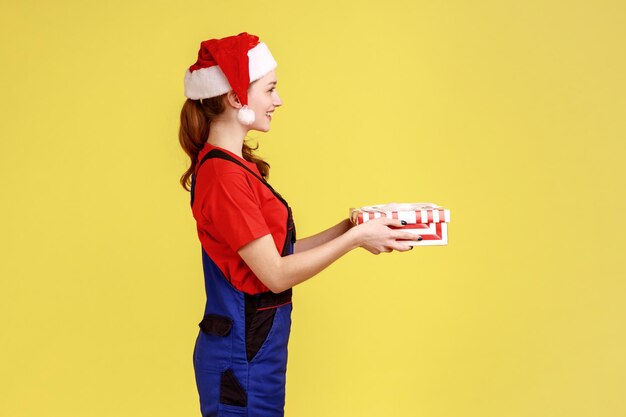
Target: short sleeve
x=233, y=210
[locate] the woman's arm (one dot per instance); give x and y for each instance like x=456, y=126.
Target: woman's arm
x=322, y=237
x=281, y=273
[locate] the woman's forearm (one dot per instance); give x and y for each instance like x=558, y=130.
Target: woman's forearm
x=280, y=273
x=322, y=237
x=301, y=266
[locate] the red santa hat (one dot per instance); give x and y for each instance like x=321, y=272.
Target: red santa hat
x=230, y=63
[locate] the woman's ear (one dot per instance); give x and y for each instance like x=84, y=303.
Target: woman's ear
x=233, y=100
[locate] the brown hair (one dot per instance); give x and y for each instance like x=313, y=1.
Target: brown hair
x=195, y=123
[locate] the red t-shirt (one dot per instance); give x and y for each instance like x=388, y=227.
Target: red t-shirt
x=232, y=208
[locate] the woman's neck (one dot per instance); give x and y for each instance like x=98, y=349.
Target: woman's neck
x=229, y=136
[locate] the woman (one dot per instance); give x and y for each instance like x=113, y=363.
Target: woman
x=250, y=255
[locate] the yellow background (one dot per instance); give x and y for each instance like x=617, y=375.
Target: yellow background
x=511, y=114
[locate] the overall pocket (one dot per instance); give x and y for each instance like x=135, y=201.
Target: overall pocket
x=274, y=344
x=260, y=312
x=257, y=329
x=214, y=345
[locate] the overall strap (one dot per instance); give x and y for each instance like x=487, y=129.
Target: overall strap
x=290, y=238
x=217, y=153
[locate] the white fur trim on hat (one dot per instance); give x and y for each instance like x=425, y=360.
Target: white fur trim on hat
x=206, y=83
x=211, y=82
x=260, y=61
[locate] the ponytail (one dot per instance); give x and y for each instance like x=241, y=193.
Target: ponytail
x=195, y=123
x=192, y=135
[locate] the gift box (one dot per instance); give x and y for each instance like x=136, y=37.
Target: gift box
x=425, y=219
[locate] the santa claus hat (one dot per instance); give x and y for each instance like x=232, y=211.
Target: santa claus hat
x=230, y=63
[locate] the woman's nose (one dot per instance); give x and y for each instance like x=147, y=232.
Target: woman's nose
x=277, y=100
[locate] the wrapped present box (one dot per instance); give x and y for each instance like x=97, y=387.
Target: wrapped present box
x=425, y=219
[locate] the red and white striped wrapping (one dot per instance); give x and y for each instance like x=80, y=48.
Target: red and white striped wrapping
x=425, y=219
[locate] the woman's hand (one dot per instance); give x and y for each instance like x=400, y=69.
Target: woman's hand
x=377, y=236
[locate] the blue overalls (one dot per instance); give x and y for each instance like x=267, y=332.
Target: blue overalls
x=240, y=356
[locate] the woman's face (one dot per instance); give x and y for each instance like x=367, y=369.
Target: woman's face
x=263, y=100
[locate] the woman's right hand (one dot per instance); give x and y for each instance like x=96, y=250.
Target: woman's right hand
x=377, y=236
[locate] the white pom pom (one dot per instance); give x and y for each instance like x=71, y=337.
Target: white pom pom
x=245, y=116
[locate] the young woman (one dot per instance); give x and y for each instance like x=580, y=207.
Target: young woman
x=250, y=254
